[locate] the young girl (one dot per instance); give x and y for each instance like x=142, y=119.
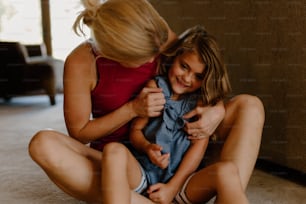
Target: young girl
x=161, y=157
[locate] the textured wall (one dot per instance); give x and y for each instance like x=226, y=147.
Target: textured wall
x=264, y=44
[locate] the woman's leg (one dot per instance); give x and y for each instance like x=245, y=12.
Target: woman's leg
x=220, y=179
x=71, y=165
x=241, y=131
x=121, y=174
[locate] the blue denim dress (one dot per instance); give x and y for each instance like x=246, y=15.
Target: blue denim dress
x=168, y=132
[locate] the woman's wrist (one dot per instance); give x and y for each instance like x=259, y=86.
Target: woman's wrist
x=220, y=109
x=131, y=111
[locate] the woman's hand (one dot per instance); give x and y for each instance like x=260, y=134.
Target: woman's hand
x=149, y=103
x=209, y=118
x=161, y=193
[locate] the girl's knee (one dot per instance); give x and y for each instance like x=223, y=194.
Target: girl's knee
x=114, y=151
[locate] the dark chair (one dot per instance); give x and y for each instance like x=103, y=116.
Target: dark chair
x=21, y=74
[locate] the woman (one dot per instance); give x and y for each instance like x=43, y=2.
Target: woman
x=128, y=37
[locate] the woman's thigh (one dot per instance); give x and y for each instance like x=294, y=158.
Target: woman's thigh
x=244, y=119
x=71, y=165
x=201, y=187
x=242, y=112
x=220, y=179
x=239, y=135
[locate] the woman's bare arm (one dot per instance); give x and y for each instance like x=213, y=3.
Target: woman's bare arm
x=79, y=80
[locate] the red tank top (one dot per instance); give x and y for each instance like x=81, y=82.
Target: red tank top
x=117, y=85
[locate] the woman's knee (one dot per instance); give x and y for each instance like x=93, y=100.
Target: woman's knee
x=228, y=166
x=250, y=104
x=226, y=170
x=243, y=109
x=42, y=144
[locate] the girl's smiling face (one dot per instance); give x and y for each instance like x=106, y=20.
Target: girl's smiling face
x=186, y=74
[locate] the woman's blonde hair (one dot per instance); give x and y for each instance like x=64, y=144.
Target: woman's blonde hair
x=124, y=30
x=215, y=85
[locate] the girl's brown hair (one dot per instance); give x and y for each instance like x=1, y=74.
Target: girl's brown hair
x=215, y=85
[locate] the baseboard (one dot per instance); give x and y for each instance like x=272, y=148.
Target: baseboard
x=281, y=171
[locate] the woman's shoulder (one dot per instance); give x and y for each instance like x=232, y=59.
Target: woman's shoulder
x=81, y=52
x=81, y=57
x=81, y=61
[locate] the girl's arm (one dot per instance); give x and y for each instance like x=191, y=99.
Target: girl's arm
x=80, y=78
x=189, y=163
x=153, y=151
x=138, y=140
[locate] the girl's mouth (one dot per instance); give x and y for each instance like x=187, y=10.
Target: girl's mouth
x=182, y=84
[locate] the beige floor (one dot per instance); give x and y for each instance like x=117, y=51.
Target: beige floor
x=22, y=181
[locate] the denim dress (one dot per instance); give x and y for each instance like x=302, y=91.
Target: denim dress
x=167, y=131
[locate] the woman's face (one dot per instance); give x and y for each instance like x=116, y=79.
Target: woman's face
x=186, y=74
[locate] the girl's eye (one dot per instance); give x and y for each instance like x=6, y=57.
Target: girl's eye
x=199, y=77
x=184, y=66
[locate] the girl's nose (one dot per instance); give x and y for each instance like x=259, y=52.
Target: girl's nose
x=187, y=77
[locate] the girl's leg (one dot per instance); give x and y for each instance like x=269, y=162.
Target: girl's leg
x=241, y=132
x=220, y=179
x=71, y=165
x=121, y=174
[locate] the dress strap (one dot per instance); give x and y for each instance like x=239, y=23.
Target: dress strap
x=94, y=50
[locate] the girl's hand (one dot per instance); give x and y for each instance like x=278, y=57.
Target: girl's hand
x=149, y=103
x=209, y=118
x=161, y=193
x=156, y=157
